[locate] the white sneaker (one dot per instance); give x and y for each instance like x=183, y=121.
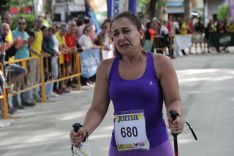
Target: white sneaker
x=53, y=94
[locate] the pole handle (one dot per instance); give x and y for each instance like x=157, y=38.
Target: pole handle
x=76, y=127
x=173, y=114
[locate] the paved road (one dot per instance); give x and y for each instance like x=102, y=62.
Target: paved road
x=206, y=84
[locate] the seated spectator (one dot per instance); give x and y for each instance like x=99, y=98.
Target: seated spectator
x=13, y=72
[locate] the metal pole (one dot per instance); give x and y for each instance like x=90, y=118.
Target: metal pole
x=174, y=115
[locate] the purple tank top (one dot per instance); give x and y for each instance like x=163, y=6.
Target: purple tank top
x=143, y=93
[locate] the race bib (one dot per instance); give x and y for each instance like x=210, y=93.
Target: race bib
x=130, y=131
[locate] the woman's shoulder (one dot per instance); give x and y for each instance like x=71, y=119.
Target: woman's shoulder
x=107, y=63
x=105, y=66
x=162, y=63
x=161, y=58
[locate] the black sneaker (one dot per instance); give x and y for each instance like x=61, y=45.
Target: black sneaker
x=73, y=85
x=11, y=110
x=27, y=104
x=19, y=107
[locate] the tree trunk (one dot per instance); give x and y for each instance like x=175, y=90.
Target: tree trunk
x=186, y=9
x=151, y=8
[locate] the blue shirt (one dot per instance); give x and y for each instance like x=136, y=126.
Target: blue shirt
x=24, y=51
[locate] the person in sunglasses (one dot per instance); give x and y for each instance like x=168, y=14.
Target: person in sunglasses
x=23, y=53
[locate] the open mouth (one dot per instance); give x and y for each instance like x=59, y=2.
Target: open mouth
x=124, y=45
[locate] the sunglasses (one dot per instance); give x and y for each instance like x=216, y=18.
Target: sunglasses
x=21, y=23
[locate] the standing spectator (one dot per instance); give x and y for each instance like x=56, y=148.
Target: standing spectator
x=223, y=29
x=23, y=53
x=48, y=47
x=192, y=32
x=183, y=31
x=149, y=37
x=230, y=26
x=35, y=51
x=85, y=40
x=183, y=27
x=92, y=34
x=54, y=61
x=208, y=30
x=56, y=27
x=175, y=26
x=199, y=30
x=155, y=25
x=164, y=36
x=169, y=26
x=80, y=29
x=70, y=39
x=63, y=49
x=191, y=27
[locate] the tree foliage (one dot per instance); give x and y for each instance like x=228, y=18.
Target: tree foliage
x=48, y=6
x=222, y=12
x=143, y=2
x=29, y=18
x=4, y=6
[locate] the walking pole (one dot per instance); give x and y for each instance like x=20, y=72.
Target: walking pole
x=174, y=115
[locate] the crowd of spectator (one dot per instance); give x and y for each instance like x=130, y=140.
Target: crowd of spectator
x=194, y=26
x=54, y=43
x=57, y=41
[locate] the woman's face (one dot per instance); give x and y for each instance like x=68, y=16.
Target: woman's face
x=72, y=27
x=126, y=37
x=106, y=27
x=38, y=23
x=89, y=30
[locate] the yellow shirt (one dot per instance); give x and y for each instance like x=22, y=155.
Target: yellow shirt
x=61, y=40
x=183, y=29
x=9, y=39
x=37, y=44
x=230, y=28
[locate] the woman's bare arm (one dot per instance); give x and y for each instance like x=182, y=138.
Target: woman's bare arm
x=101, y=98
x=169, y=82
